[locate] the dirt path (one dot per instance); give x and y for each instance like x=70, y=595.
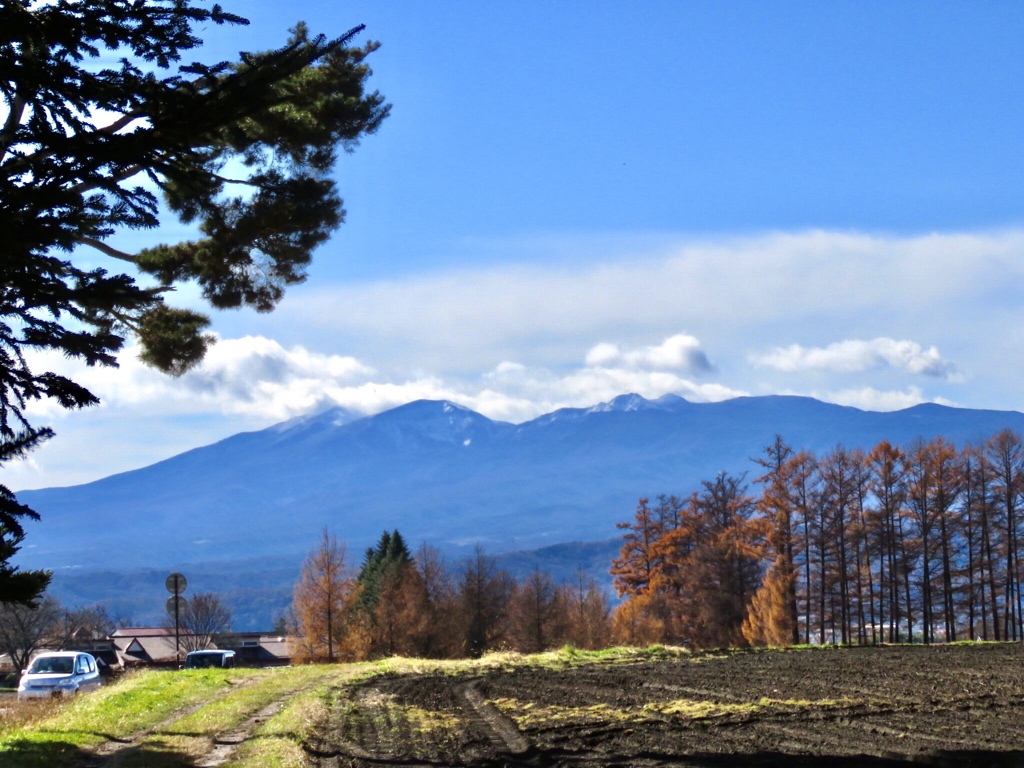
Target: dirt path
x=222, y=746
x=225, y=744
x=108, y=754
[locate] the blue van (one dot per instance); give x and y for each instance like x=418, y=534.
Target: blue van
x=204, y=659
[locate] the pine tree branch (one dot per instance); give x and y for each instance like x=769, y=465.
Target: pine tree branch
x=226, y=180
x=127, y=173
x=121, y=122
x=99, y=245
x=17, y=106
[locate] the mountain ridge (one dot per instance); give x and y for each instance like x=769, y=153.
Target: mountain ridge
x=445, y=474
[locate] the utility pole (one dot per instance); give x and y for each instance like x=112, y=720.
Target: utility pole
x=176, y=584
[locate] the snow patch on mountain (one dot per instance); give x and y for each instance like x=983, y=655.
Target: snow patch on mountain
x=438, y=421
x=332, y=417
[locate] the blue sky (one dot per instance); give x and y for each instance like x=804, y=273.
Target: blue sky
x=573, y=200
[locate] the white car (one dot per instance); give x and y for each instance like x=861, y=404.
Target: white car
x=59, y=673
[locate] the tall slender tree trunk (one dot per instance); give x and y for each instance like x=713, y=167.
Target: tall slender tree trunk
x=905, y=558
x=947, y=584
x=807, y=577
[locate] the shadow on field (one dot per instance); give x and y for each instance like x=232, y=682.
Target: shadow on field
x=957, y=759
x=23, y=753
x=540, y=759
x=30, y=754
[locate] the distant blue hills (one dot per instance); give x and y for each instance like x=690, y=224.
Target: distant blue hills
x=439, y=473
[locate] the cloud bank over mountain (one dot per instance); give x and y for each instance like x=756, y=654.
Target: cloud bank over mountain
x=881, y=322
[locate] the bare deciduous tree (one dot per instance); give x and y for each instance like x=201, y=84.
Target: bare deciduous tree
x=202, y=618
x=90, y=623
x=484, y=593
x=537, y=613
x=25, y=629
x=589, y=623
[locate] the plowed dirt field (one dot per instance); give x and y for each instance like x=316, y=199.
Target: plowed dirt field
x=960, y=705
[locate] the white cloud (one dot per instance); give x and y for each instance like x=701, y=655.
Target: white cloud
x=870, y=399
x=604, y=353
x=258, y=378
x=856, y=355
x=515, y=393
x=681, y=352
x=251, y=376
x=729, y=292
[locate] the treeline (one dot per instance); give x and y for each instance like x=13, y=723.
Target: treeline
x=914, y=544
x=400, y=603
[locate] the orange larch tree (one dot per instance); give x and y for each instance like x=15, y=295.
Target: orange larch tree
x=324, y=598
x=774, y=616
x=635, y=564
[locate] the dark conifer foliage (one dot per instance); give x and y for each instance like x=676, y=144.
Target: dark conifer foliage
x=69, y=177
x=387, y=560
x=106, y=127
x=17, y=586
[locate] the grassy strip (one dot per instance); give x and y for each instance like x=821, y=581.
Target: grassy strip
x=135, y=703
x=232, y=710
x=529, y=715
x=562, y=658
x=178, y=743
x=278, y=743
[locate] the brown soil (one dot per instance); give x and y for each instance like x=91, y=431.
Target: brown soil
x=891, y=706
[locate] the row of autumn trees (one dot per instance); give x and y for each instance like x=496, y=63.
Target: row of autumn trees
x=913, y=544
x=398, y=603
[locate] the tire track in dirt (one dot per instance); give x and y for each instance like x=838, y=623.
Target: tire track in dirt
x=225, y=744
x=367, y=735
x=504, y=735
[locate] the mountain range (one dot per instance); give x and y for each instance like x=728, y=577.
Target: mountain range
x=439, y=473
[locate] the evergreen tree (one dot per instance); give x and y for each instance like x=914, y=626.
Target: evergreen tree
x=387, y=560
x=17, y=586
x=241, y=151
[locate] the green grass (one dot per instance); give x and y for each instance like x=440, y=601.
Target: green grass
x=232, y=709
x=171, y=718
x=137, y=702
x=278, y=743
x=191, y=735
